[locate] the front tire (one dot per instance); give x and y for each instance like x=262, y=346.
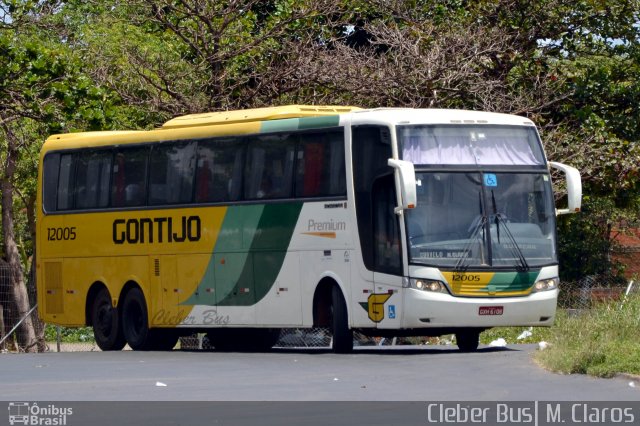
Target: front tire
x=468, y=340
x=342, y=334
x=107, y=328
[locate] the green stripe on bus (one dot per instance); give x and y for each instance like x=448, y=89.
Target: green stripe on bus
x=230, y=254
x=290, y=124
x=268, y=251
x=511, y=281
x=315, y=122
x=248, y=255
x=239, y=228
x=279, y=125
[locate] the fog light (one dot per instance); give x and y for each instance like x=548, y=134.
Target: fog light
x=546, y=285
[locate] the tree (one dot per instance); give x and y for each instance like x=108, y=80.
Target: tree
x=42, y=91
x=174, y=57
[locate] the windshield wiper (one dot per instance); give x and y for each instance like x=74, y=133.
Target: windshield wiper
x=515, y=248
x=478, y=224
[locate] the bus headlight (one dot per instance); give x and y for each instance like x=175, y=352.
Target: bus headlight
x=545, y=285
x=428, y=285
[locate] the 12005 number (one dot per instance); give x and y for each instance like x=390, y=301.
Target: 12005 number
x=61, y=234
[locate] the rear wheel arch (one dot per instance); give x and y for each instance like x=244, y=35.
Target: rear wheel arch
x=330, y=309
x=322, y=301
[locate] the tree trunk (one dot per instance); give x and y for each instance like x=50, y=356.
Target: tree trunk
x=18, y=290
x=38, y=325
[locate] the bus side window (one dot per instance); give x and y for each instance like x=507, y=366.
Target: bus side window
x=172, y=173
x=92, y=179
x=269, y=171
x=320, y=170
x=310, y=165
x=386, y=229
x=65, y=182
x=50, y=168
x=128, y=183
x=219, y=170
x=337, y=175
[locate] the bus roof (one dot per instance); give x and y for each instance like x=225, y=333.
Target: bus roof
x=82, y=135
x=381, y=115
x=256, y=114
x=248, y=121
x=436, y=116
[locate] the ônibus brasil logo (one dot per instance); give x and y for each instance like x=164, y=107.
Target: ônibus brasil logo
x=27, y=413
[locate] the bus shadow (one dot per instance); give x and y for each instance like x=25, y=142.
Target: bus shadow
x=397, y=350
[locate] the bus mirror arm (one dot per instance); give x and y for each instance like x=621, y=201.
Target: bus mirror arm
x=406, y=180
x=574, y=188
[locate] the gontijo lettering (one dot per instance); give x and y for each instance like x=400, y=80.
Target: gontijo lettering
x=158, y=229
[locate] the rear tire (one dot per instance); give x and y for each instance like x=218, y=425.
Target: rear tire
x=342, y=334
x=468, y=340
x=107, y=328
x=135, y=324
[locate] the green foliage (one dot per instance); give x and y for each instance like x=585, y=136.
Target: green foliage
x=68, y=335
x=44, y=89
x=604, y=108
x=601, y=342
x=585, y=240
x=44, y=82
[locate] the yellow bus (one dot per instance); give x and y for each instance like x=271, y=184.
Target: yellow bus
x=392, y=222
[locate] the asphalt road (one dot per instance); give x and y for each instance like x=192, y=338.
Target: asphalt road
x=379, y=374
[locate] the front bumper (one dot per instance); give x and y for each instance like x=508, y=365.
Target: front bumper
x=424, y=309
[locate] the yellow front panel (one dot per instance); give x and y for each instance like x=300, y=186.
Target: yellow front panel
x=491, y=284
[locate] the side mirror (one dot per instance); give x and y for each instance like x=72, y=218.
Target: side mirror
x=574, y=188
x=407, y=180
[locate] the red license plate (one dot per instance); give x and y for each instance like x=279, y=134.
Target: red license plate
x=490, y=310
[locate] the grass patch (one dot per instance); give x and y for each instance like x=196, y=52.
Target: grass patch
x=602, y=341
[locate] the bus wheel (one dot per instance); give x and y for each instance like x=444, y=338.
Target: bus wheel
x=135, y=324
x=106, y=324
x=468, y=340
x=342, y=334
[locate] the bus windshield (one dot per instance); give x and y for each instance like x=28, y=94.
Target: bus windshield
x=482, y=219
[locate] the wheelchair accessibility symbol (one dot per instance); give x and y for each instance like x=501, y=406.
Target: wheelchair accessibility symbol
x=490, y=179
